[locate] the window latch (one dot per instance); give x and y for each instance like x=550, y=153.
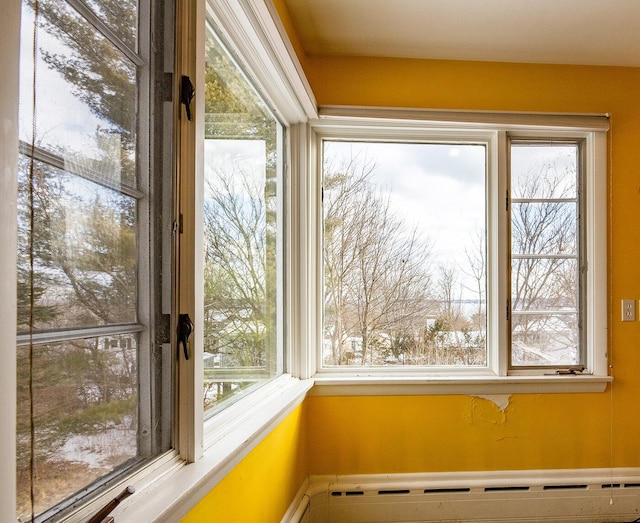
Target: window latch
x=101, y=515
x=187, y=92
x=571, y=371
x=185, y=328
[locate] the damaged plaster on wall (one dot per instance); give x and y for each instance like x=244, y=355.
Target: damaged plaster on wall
x=488, y=410
x=499, y=400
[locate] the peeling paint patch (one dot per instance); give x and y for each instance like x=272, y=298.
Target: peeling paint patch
x=499, y=400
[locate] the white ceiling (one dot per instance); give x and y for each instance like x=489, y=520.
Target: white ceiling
x=593, y=32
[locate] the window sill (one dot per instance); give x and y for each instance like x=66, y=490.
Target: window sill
x=352, y=385
x=179, y=490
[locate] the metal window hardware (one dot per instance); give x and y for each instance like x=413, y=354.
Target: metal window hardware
x=187, y=92
x=102, y=516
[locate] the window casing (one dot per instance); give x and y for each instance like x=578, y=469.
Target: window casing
x=499, y=133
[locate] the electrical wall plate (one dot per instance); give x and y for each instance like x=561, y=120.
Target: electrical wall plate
x=628, y=310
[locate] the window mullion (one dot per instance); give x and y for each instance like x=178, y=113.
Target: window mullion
x=499, y=262
x=189, y=248
x=97, y=22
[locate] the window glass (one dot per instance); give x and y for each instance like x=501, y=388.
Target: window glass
x=545, y=255
x=85, y=416
x=86, y=95
x=404, y=254
x=84, y=247
x=242, y=170
x=121, y=17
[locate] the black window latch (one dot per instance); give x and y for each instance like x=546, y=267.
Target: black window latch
x=185, y=328
x=187, y=92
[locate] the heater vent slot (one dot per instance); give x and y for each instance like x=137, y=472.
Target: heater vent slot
x=392, y=492
x=446, y=490
x=506, y=489
x=565, y=487
x=573, y=495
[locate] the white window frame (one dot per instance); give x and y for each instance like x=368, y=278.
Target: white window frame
x=494, y=130
x=207, y=451
x=250, y=32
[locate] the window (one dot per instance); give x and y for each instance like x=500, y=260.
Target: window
x=404, y=253
x=546, y=255
x=472, y=247
x=86, y=362
x=243, y=290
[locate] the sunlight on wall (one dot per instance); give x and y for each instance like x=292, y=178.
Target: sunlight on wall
x=262, y=486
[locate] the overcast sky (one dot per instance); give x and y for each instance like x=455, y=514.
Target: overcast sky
x=438, y=188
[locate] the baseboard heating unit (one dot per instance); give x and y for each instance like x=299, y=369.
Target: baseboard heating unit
x=585, y=495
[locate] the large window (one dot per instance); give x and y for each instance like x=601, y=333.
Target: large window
x=404, y=253
x=84, y=349
x=447, y=251
x=243, y=158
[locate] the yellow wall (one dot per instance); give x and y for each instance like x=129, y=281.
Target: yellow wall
x=261, y=487
x=425, y=434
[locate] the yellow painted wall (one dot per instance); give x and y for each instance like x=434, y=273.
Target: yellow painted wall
x=442, y=433
x=261, y=487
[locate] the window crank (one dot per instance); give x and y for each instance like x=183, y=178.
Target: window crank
x=102, y=516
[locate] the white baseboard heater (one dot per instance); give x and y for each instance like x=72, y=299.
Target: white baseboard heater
x=583, y=495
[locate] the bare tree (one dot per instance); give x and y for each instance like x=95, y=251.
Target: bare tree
x=476, y=269
x=376, y=268
x=238, y=314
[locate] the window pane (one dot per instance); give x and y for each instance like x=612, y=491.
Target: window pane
x=404, y=254
x=545, y=339
x=544, y=284
x=545, y=255
x=83, y=254
x=241, y=213
x=85, y=416
x=548, y=227
x=84, y=246
x=85, y=98
x=121, y=17
x=544, y=171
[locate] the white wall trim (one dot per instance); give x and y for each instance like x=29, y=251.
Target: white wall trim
x=499, y=120
x=305, y=280
x=255, y=35
x=593, y=495
x=395, y=385
x=299, y=505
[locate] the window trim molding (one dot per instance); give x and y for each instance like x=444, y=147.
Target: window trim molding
x=9, y=64
x=350, y=115
x=253, y=32
x=348, y=122
x=360, y=385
